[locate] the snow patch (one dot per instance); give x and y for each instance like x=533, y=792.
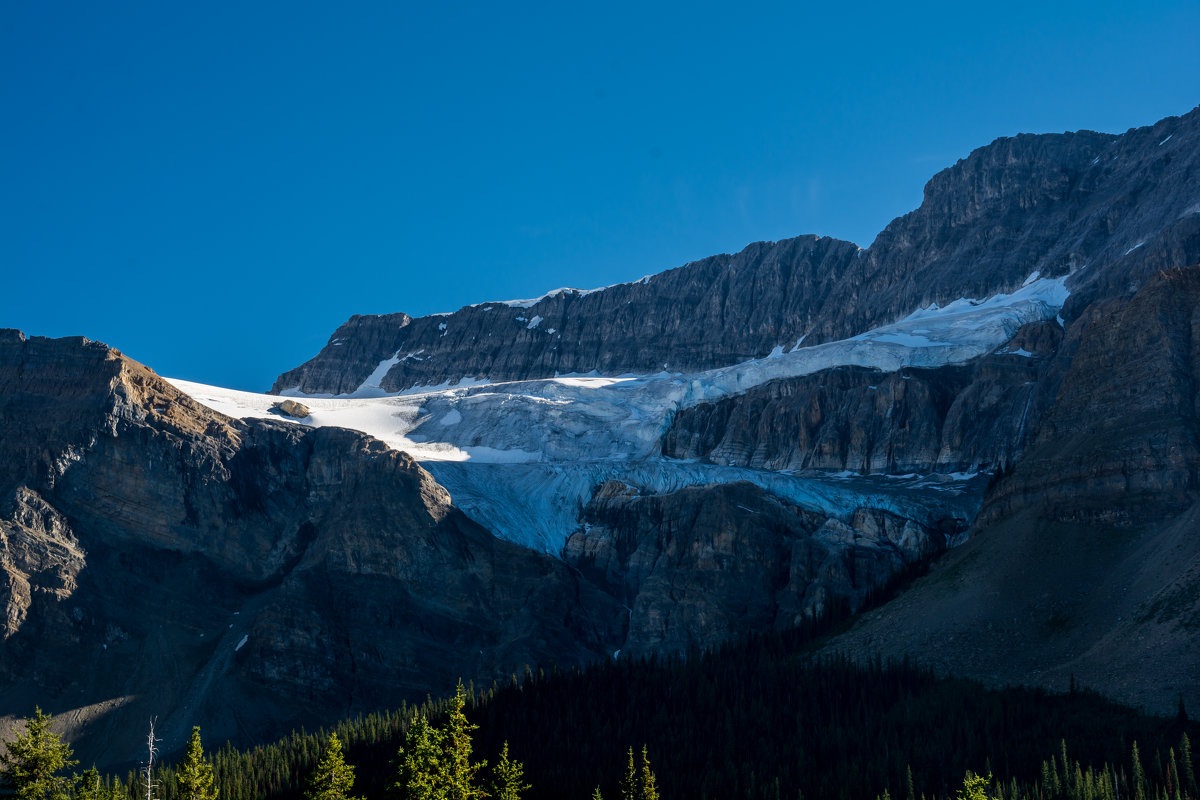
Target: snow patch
x=371, y=386
x=1135, y=247
x=1164, y=141
x=533, y=323
x=242, y=643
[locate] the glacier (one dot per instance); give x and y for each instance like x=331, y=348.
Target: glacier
x=522, y=457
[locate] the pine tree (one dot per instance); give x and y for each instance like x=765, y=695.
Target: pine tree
x=333, y=778
x=458, y=771
x=1139, y=775
x=974, y=787
x=419, y=763
x=596, y=794
x=90, y=787
x=508, y=777
x=648, y=789
x=195, y=774
x=1187, y=774
x=32, y=761
x=628, y=786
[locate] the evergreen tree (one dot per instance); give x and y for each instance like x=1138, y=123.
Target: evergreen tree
x=32, y=761
x=1139, y=775
x=628, y=786
x=458, y=771
x=648, y=789
x=508, y=777
x=1187, y=775
x=90, y=786
x=596, y=794
x=419, y=763
x=974, y=787
x=195, y=774
x=333, y=778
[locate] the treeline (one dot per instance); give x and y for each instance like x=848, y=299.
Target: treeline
x=758, y=719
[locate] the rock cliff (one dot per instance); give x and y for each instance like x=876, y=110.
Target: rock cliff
x=951, y=419
x=703, y=564
x=1110, y=209
x=157, y=558
x=1084, y=562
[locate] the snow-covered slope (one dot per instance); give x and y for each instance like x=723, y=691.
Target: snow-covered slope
x=570, y=433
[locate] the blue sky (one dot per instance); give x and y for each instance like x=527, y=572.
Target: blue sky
x=214, y=187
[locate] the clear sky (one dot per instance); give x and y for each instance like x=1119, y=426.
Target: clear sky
x=214, y=186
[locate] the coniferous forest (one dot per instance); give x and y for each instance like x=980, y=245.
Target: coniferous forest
x=757, y=719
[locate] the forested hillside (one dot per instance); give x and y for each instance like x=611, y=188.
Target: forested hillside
x=759, y=719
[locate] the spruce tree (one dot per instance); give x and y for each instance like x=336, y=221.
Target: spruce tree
x=458, y=771
x=32, y=761
x=974, y=787
x=333, y=778
x=1139, y=775
x=419, y=768
x=628, y=786
x=90, y=786
x=195, y=774
x=508, y=778
x=1187, y=770
x=648, y=790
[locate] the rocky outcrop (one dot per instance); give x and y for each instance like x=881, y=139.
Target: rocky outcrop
x=1121, y=443
x=1110, y=210
x=951, y=419
x=720, y=310
x=703, y=564
x=159, y=558
x=1084, y=563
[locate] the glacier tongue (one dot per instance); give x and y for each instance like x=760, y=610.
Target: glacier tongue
x=534, y=450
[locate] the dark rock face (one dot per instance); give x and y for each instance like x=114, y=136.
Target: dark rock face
x=159, y=558
x=1084, y=562
x=950, y=419
x=703, y=564
x=721, y=310
x=1121, y=443
x=1114, y=209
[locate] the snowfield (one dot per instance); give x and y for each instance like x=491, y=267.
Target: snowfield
x=521, y=457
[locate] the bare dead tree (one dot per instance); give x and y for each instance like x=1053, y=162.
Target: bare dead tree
x=153, y=751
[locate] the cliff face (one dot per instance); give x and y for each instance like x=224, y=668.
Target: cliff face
x=1084, y=561
x=158, y=558
x=951, y=419
x=703, y=564
x=1110, y=209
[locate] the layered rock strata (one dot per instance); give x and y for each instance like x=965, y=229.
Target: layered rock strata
x=157, y=558
x=703, y=564
x=1110, y=210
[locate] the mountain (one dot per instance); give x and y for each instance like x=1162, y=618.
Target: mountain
x=162, y=559
x=1084, y=563
x=1077, y=403
x=1000, y=388
x=1110, y=210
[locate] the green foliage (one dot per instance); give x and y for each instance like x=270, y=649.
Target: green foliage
x=91, y=786
x=333, y=778
x=31, y=763
x=458, y=771
x=647, y=784
x=419, y=763
x=975, y=787
x=508, y=777
x=628, y=785
x=195, y=774
x=435, y=763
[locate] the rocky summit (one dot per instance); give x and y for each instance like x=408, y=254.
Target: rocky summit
x=995, y=402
